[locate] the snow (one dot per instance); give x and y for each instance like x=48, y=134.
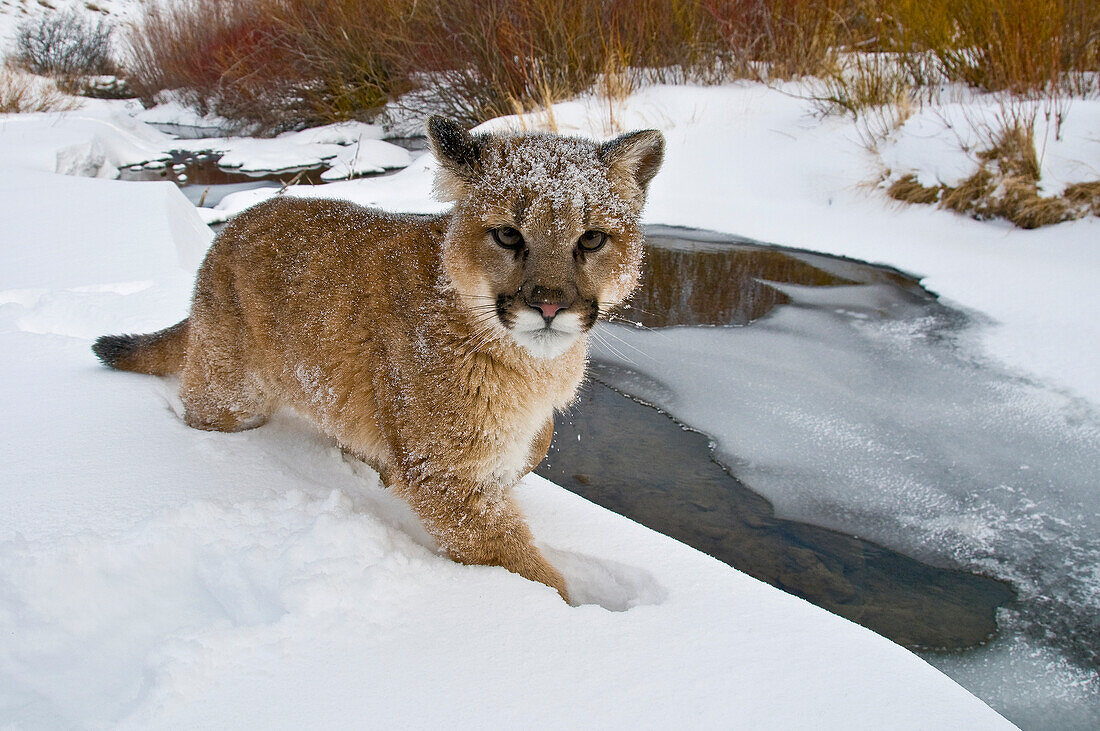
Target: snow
x=351, y=148
x=156, y=576
x=173, y=111
x=365, y=157
x=94, y=141
x=940, y=143
x=103, y=136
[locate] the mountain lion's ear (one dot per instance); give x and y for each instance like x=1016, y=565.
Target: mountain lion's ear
x=458, y=153
x=635, y=154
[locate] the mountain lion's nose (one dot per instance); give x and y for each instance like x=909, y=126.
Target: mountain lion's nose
x=549, y=310
x=549, y=301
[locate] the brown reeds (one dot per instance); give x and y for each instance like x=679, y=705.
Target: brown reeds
x=270, y=65
x=324, y=60
x=1021, y=46
x=22, y=92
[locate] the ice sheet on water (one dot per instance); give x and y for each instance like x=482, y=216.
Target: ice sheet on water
x=888, y=428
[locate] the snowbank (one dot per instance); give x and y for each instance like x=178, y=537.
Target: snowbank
x=103, y=136
x=94, y=141
x=156, y=576
x=349, y=148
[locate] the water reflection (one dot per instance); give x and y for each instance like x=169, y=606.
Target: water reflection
x=704, y=278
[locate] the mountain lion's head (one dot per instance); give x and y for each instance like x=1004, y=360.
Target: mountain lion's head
x=546, y=232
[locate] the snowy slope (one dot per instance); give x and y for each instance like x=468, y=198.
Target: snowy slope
x=153, y=576
x=15, y=12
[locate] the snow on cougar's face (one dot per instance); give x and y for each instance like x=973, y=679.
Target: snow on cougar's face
x=546, y=231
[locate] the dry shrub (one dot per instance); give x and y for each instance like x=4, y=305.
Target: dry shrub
x=1020, y=46
x=274, y=64
x=780, y=39
x=67, y=45
x=351, y=51
x=483, y=58
x=21, y=92
x=228, y=57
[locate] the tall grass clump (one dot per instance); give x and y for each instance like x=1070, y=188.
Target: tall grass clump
x=1006, y=183
x=22, y=92
x=1024, y=47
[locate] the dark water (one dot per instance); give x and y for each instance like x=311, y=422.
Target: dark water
x=186, y=167
x=205, y=182
x=638, y=461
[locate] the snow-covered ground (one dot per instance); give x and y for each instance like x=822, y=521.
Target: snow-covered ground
x=103, y=136
x=152, y=575
x=155, y=576
x=15, y=12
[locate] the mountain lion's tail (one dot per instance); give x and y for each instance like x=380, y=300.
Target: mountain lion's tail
x=160, y=354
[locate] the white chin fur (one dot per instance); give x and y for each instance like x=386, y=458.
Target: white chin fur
x=531, y=332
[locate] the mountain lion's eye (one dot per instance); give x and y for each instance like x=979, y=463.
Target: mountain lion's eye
x=592, y=240
x=508, y=237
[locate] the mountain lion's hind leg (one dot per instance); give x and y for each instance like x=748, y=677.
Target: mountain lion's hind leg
x=217, y=391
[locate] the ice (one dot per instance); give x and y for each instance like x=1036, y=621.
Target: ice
x=877, y=418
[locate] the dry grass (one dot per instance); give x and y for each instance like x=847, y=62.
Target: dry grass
x=22, y=92
x=1020, y=46
x=1084, y=198
x=909, y=190
x=1005, y=185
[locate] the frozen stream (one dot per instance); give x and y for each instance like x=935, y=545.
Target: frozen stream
x=857, y=402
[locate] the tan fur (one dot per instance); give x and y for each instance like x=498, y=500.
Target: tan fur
x=392, y=333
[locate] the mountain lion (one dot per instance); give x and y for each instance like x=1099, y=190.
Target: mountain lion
x=436, y=348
